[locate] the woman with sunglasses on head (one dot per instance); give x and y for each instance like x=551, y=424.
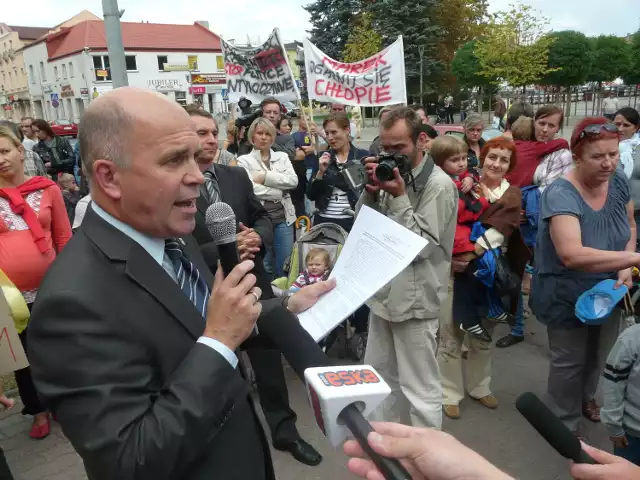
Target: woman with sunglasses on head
x=586, y=234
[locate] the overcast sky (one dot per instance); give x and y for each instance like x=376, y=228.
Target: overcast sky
x=239, y=18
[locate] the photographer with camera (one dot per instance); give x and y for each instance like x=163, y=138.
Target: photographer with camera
x=407, y=187
x=271, y=109
x=335, y=199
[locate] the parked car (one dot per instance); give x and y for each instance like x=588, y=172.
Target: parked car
x=64, y=128
x=446, y=129
x=291, y=109
x=458, y=131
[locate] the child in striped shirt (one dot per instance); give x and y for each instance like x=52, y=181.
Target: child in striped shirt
x=318, y=267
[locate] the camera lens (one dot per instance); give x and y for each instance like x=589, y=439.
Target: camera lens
x=384, y=170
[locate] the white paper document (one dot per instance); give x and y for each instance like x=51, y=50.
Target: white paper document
x=377, y=250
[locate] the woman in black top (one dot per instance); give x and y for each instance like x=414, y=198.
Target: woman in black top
x=56, y=152
x=335, y=200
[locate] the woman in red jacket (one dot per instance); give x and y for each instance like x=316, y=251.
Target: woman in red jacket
x=34, y=228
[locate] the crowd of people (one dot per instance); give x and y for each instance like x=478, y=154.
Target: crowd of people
x=524, y=213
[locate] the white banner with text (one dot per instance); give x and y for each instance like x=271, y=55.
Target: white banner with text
x=259, y=72
x=376, y=81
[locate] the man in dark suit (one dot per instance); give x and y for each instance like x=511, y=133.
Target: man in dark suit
x=232, y=185
x=130, y=347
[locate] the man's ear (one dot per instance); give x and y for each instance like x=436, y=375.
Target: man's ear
x=107, y=177
x=422, y=141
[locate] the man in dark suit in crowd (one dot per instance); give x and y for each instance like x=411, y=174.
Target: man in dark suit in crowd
x=131, y=348
x=232, y=185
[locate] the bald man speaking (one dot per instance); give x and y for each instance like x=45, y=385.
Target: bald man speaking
x=132, y=340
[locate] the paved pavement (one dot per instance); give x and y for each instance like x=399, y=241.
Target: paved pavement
x=503, y=436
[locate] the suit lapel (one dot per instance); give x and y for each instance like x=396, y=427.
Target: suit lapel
x=146, y=272
x=201, y=202
x=142, y=269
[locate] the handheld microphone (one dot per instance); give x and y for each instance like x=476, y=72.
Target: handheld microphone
x=551, y=428
x=221, y=223
x=338, y=395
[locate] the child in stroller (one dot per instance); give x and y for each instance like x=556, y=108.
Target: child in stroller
x=326, y=239
x=318, y=268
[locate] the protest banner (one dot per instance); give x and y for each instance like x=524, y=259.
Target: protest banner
x=259, y=72
x=376, y=81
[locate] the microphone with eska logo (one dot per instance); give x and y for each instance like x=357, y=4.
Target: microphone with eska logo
x=340, y=396
x=221, y=224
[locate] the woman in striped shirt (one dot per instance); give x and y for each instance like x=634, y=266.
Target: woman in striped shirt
x=334, y=199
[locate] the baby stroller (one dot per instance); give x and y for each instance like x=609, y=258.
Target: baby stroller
x=330, y=237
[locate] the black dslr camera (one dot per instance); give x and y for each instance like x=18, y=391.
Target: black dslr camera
x=247, y=117
x=356, y=175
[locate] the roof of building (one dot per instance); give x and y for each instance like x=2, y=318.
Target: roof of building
x=135, y=37
x=29, y=33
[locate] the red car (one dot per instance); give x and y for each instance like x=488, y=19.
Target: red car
x=64, y=128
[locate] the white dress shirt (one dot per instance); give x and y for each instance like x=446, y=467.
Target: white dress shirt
x=155, y=248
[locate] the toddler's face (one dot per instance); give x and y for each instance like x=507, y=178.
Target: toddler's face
x=456, y=164
x=316, y=266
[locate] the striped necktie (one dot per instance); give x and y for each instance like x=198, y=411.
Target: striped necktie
x=211, y=185
x=189, y=280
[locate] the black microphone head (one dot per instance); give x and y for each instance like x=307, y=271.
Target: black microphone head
x=549, y=426
x=221, y=223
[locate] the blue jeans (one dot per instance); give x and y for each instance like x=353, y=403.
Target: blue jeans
x=281, y=249
x=518, y=329
x=632, y=452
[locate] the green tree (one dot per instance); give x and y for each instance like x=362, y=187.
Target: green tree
x=461, y=21
x=415, y=22
x=466, y=67
x=363, y=41
x=570, y=57
x=330, y=23
x=611, y=58
x=515, y=48
x=632, y=77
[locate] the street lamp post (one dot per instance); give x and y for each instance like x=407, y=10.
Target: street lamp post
x=421, y=52
x=114, y=43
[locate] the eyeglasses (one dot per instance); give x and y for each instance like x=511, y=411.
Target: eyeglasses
x=595, y=129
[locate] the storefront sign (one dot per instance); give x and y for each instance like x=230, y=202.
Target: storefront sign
x=102, y=73
x=84, y=92
x=208, y=78
x=66, y=91
x=164, y=85
x=175, y=67
x=198, y=90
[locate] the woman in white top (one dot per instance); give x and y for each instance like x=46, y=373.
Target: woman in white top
x=273, y=177
x=548, y=120
x=627, y=120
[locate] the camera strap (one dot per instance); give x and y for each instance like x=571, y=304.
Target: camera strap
x=420, y=181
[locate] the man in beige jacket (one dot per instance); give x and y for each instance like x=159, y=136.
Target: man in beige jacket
x=404, y=314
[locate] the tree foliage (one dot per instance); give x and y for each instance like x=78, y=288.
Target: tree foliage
x=330, y=23
x=363, y=41
x=611, y=58
x=515, y=48
x=461, y=21
x=415, y=21
x=570, y=57
x=466, y=67
x=633, y=73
